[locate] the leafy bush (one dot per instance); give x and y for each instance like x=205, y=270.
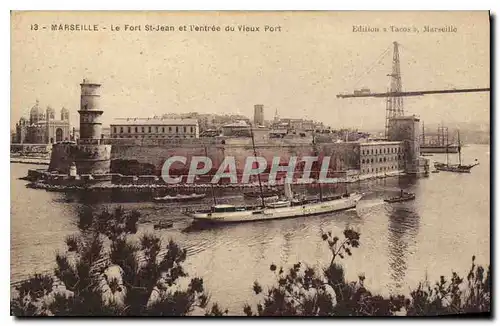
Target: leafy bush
x=304, y=291
x=129, y=279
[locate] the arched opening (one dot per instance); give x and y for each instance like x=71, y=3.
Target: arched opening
x=59, y=135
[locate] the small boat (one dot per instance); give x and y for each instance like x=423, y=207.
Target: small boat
x=257, y=194
x=163, y=225
x=404, y=196
x=179, y=198
x=435, y=171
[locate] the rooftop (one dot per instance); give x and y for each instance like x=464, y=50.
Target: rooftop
x=153, y=122
x=383, y=142
x=237, y=124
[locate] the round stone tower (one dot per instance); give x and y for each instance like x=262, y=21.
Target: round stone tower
x=92, y=156
x=90, y=111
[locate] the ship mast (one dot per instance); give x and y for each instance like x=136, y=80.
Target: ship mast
x=423, y=134
x=446, y=145
x=258, y=174
x=459, y=150
x=211, y=184
x=317, y=179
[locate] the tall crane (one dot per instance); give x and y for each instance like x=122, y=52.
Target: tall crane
x=394, y=96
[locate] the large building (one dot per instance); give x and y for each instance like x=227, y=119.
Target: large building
x=406, y=130
x=155, y=128
x=42, y=127
x=381, y=157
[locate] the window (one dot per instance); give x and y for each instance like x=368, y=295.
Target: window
x=185, y=129
x=176, y=129
x=121, y=129
x=136, y=129
x=372, y=160
x=169, y=129
x=371, y=151
x=114, y=130
x=142, y=129
x=129, y=130
x=149, y=129
x=192, y=129
x=156, y=129
x=162, y=129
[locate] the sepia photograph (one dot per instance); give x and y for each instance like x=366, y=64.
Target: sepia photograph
x=250, y=163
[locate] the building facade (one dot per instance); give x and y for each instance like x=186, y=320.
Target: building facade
x=155, y=128
x=406, y=129
x=43, y=127
x=381, y=157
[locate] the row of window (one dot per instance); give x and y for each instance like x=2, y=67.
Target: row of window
x=154, y=136
x=382, y=159
x=152, y=129
x=376, y=170
x=392, y=150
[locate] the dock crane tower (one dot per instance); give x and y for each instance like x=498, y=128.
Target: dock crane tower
x=394, y=96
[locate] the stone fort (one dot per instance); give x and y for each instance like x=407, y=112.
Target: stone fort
x=95, y=155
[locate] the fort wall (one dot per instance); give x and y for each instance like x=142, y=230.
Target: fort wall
x=148, y=156
x=89, y=158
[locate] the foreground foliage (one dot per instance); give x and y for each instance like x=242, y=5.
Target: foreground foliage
x=128, y=279
x=305, y=291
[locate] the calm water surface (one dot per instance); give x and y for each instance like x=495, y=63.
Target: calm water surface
x=401, y=243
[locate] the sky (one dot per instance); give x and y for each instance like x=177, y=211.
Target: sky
x=297, y=71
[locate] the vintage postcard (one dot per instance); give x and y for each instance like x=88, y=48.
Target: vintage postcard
x=231, y=163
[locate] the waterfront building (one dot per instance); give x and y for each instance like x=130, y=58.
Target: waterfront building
x=381, y=157
x=155, y=128
x=406, y=130
x=42, y=127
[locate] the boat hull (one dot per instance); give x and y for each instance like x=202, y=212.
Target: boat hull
x=452, y=149
x=280, y=213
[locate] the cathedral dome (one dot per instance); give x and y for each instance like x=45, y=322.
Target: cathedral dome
x=35, y=109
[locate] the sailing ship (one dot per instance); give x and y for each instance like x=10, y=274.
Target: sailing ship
x=287, y=207
x=458, y=168
x=432, y=147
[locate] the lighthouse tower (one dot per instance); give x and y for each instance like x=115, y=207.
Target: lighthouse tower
x=90, y=113
x=93, y=156
x=90, y=155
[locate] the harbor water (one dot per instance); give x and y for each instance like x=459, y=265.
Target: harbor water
x=401, y=243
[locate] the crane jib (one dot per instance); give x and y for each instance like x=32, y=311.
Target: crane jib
x=415, y=93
